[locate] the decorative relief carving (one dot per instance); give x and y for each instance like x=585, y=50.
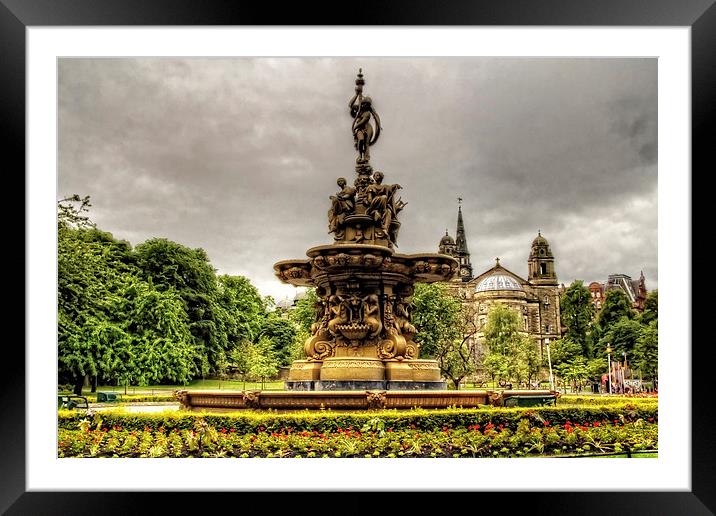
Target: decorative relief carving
x=376, y=399
x=362, y=364
x=421, y=366
x=251, y=398
x=319, y=346
x=183, y=398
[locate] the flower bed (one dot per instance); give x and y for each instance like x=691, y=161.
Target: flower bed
x=418, y=433
x=372, y=440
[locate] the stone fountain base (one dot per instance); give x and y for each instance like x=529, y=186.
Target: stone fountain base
x=364, y=373
x=229, y=401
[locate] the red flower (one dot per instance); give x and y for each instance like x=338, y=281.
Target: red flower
x=545, y=423
x=595, y=424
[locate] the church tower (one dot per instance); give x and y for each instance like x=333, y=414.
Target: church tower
x=461, y=252
x=541, y=263
x=447, y=245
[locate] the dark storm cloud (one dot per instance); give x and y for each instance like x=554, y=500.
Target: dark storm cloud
x=239, y=156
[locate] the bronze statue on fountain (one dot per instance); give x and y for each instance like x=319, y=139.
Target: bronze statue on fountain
x=363, y=337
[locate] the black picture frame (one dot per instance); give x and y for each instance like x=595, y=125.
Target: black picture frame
x=700, y=15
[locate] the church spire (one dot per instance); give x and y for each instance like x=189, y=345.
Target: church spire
x=463, y=255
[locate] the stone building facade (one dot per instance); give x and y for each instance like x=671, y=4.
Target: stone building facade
x=535, y=298
x=634, y=289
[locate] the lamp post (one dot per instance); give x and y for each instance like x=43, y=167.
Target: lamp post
x=609, y=373
x=549, y=362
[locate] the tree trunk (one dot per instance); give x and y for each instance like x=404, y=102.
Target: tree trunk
x=79, y=382
x=456, y=383
x=94, y=384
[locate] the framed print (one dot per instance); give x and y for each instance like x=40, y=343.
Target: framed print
x=56, y=53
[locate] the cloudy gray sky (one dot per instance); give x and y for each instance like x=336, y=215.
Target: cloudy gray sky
x=239, y=156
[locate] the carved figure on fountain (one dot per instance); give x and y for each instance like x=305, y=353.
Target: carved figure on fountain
x=342, y=205
x=371, y=314
x=362, y=112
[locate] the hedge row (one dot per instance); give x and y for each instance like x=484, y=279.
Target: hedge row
x=372, y=440
x=328, y=421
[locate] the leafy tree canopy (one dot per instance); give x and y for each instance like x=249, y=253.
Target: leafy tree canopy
x=577, y=314
x=616, y=305
x=651, y=307
x=646, y=351
x=436, y=316
x=622, y=337
x=512, y=354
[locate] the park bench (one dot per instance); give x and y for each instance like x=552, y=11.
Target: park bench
x=522, y=398
x=107, y=397
x=527, y=400
x=72, y=401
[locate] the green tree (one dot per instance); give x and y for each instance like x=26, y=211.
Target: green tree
x=245, y=309
x=651, y=308
x=622, y=337
x=172, y=266
x=564, y=350
x=456, y=358
x=511, y=354
x=282, y=334
x=158, y=347
x=254, y=361
x=577, y=314
x=72, y=212
x=304, y=313
x=92, y=270
x=436, y=315
x=646, y=351
x=616, y=305
x=574, y=371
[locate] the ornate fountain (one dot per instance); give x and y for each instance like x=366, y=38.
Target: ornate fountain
x=362, y=353
x=362, y=337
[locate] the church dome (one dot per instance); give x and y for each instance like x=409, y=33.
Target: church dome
x=540, y=240
x=447, y=240
x=498, y=282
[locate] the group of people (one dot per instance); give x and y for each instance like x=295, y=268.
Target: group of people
x=377, y=199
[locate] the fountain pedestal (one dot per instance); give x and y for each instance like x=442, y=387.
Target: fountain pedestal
x=362, y=336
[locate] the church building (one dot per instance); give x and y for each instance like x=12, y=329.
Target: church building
x=534, y=297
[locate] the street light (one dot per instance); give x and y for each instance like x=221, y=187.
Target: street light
x=609, y=373
x=549, y=361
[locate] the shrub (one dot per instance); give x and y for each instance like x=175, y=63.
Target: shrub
x=328, y=421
